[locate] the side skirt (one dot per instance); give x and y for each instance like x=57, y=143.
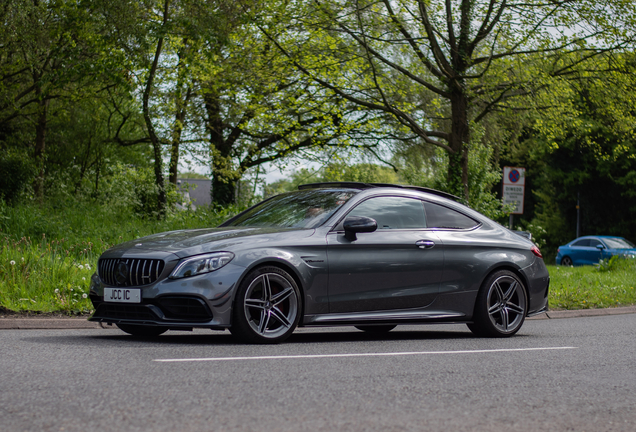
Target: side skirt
x=382, y=317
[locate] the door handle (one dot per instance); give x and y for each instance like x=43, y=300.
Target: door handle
x=425, y=244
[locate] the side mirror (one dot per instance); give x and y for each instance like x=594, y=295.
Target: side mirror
x=358, y=224
x=600, y=247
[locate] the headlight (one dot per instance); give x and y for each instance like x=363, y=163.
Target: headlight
x=201, y=264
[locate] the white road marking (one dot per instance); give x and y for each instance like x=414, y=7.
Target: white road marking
x=387, y=354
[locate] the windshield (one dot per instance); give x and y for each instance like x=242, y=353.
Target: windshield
x=618, y=243
x=302, y=209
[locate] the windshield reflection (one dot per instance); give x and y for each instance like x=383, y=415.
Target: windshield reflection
x=302, y=209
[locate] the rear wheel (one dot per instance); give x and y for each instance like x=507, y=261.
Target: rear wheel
x=376, y=328
x=501, y=306
x=267, y=306
x=142, y=331
x=566, y=261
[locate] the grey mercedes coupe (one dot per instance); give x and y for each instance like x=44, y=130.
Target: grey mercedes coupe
x=371, y=256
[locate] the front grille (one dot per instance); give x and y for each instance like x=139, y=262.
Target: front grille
x=123, y=311
x=184, y=308
x=136, y=272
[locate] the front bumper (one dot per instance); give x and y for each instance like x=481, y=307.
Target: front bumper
x=175, y=312
x=203, y=301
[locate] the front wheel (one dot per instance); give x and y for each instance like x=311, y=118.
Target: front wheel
x=501, y=306
x=141, y=330
x=267, y=306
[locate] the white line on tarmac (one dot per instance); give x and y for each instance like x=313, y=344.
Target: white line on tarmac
x=387, y=354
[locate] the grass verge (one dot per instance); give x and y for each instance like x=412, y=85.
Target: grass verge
x=48, y=253
x=610, y=284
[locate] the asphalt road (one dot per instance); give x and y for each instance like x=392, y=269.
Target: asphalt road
x=575, y=374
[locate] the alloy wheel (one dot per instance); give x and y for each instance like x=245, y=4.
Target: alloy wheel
x=271, y=305
x=506, y=302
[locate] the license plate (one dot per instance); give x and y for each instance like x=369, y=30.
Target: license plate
x=122, y=295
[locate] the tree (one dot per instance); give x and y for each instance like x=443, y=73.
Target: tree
x=584, y=155
x=258, y=108
x=53, y=55
x=437, y=67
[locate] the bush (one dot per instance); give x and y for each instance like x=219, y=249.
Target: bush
x=17, y=174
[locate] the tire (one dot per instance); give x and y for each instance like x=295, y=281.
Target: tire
x=501, y=306
x=142, y=331
x=267, y=307
x=566, y=261
x=376, y=328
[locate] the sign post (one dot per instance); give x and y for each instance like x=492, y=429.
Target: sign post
x=514, y=185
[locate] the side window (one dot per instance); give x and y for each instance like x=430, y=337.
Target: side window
x=595, y=242
x=582, y=243
x=438, y=216
x=393, y=212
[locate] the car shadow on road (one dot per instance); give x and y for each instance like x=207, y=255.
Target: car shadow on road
x=225, y=338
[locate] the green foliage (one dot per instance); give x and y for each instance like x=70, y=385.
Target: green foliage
x=135, y=189
x=193, y=175
x=48, y=253
x=586, y=287
x=588, y=156
x=616, y=263
x=361, y=172
x=17, y=173
x=45, y=275
x=423, y=168
x=334, y=172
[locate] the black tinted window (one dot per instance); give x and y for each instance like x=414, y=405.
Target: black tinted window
x=438, y=216
x=582, y=243
x=595, y=242
x=392, y=212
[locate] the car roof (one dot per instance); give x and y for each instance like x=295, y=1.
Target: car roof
x=597, y=236
x=362, y=186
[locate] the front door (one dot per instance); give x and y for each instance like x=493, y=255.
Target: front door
x=399, y=266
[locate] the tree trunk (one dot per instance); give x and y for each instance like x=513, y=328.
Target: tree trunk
x=180, y=116
x=40, y=144
x=223, y=176
x=457, y=175
x=154, y=139
x=181, y=105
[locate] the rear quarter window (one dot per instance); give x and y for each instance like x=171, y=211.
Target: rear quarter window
x=438, y=216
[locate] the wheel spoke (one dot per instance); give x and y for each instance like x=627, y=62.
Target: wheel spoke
x=510, y=292
x=265, y=315
x=280, y=316
x=495, y=308
x=505, y=318
x=267, y=288
x=499, y=292
x=255, y=303
x=515, y=308
x=282, y=296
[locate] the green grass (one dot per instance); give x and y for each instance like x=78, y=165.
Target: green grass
x=48, y=253
x=611, y=284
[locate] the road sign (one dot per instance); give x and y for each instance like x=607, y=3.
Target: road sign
x=514, y=182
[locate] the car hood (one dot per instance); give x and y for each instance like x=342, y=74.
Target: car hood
x=198, y=241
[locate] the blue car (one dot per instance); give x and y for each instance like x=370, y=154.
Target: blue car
x=590, y=250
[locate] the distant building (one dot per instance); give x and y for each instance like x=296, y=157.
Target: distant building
x=195, y=190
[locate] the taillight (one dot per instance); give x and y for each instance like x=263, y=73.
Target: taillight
x=536, y=252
